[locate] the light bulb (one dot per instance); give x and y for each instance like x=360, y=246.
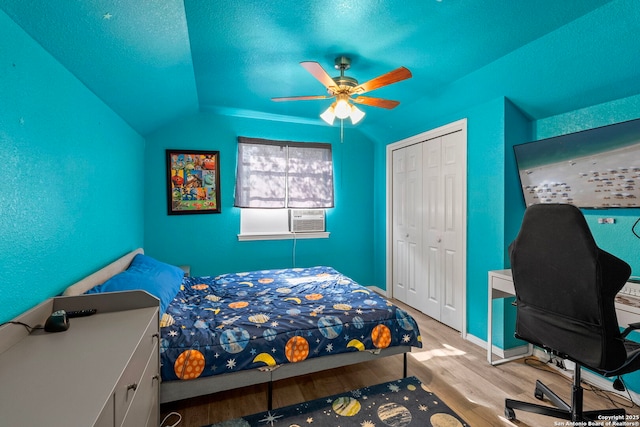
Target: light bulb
x=342, y=109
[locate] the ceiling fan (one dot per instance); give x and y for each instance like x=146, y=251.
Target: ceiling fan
x=344, y=89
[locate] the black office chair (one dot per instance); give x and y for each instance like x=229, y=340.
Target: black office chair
x=565, y=290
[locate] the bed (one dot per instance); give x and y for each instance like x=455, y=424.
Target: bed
x=239, y=329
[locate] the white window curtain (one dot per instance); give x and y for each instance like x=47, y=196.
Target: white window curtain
x=283, y=174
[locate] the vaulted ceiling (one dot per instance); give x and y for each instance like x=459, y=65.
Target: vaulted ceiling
x=154, y=61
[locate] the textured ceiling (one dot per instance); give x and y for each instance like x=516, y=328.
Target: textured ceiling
x=153, y=61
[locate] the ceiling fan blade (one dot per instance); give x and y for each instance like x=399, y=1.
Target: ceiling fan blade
x=319, y=73
x=376, y=102
x=300, y=98
x=391, y=77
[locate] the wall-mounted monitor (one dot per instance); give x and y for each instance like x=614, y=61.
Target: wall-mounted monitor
x=597, y=168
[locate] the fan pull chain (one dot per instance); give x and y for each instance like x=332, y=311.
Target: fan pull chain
x=341, y=131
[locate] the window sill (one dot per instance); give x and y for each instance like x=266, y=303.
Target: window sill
x=283, y=236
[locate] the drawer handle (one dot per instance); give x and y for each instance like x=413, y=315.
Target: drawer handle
x=155, y=336
x=133, y=387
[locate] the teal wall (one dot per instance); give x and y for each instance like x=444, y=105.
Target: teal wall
x=380, y=214
x=518, y=129
x=209, y=242
x=71, y=196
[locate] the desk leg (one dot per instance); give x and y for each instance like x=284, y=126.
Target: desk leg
x=529, y=351
x=490, y=326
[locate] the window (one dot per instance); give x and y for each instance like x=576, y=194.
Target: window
x=283, y=174
x=273, y=176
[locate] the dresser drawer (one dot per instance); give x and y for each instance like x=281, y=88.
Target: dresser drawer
x=132, y=377
x=106, y=418
x=143, y=410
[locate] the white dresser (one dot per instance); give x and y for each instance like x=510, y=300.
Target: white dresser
x=102, y=371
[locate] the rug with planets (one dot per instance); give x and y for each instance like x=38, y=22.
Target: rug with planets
x=400, y=403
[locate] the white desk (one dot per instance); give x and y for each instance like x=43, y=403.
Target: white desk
x=501, y=286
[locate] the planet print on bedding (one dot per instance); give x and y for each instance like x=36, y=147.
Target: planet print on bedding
x=234, y=340
x=230, y=332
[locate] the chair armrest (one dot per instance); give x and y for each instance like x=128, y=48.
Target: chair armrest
x=631, y=327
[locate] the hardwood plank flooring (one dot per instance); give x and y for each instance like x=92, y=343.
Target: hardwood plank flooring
x=453, y=368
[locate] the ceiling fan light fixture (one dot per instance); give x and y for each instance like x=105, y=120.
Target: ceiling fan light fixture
x=356, y=114
x=329, y=115
x=342, y=108
x=344, y=87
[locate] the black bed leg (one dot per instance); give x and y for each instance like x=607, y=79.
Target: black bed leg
x=404, y=368
x=269, y=396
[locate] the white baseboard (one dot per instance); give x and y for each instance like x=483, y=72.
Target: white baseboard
x=378, y=290
x=512, y=352
x=477, y=341
x=499, y=352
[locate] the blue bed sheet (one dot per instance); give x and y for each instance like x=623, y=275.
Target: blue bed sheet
x=263, y=319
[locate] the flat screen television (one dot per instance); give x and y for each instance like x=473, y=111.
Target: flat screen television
x=595, y=169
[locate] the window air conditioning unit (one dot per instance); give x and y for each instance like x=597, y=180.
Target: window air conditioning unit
x=306, y=220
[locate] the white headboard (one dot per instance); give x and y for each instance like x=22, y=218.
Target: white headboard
x=102, y=275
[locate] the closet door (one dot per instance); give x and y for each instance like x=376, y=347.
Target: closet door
x=426, y=222
x=444, y=172
x=407, y=223
x=453, y=171
x=432, y=220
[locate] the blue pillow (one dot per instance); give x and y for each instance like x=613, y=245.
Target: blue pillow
x=148, y=274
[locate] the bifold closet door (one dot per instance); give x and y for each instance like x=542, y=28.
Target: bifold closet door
x=407, y=224
x=444, y=169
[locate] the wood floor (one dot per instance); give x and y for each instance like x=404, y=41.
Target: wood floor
x=454, y=369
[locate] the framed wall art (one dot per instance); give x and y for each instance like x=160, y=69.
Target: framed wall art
x=193, y=181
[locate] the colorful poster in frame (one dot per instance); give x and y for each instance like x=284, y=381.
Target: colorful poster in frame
x=193, y=181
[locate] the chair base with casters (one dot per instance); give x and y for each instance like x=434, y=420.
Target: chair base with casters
x=573, y=411
x=562, y=410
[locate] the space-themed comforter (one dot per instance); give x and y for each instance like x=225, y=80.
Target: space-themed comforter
x=262, y=319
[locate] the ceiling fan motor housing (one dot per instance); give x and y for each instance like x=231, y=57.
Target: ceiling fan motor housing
x=344, y=82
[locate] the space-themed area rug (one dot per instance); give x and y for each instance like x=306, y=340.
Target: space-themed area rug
x=400, y=403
